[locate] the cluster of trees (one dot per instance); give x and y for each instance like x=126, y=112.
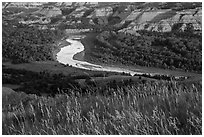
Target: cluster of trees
x=22, y=43
x=88, y=12
x=38, y=83
x=67, y=11
x=180, y=50
x=112, y=20
x=44, y=82
x=181, y=5
x=56, y=19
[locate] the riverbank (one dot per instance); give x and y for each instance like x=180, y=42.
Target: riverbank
x=79, y=56
x=65, y=56
x=57, y=47
x=88, y=43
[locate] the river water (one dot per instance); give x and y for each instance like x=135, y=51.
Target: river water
x=66, y=54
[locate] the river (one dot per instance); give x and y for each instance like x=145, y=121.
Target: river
x=66, y=54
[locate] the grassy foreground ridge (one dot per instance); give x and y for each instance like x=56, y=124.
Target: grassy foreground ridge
x=150, y=108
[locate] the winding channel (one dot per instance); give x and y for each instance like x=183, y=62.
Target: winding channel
x=66, y=54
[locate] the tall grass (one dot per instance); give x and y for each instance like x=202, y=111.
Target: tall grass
x=156, y=108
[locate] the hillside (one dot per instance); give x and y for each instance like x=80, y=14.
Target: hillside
x=165, y=20
x=160, y=17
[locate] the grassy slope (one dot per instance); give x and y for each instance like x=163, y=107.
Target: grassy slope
x=52, y=67
x=160, y=108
